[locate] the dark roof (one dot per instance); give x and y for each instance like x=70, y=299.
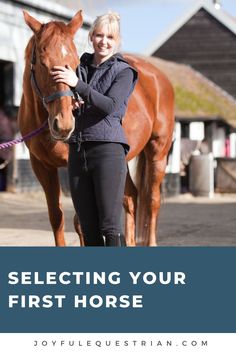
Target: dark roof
x=223, y=17
x=195, y=95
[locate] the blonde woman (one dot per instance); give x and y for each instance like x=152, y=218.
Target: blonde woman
x=97, y=147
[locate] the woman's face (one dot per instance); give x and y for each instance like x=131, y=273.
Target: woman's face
x=104, y=43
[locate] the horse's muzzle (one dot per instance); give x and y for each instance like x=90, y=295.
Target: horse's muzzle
x=61, y=128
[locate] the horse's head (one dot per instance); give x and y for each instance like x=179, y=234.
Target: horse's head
x=53, y=45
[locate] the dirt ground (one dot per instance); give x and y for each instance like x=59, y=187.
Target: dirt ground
x=184, y=221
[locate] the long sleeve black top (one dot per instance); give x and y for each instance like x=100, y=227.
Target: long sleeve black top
x=116, y=95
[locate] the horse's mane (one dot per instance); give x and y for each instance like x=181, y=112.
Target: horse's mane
x=28, y=49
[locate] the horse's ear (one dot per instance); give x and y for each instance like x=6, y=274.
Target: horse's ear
x=34, y=24
x=75, y=23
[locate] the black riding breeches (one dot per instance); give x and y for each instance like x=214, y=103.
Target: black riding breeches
x=97, y=173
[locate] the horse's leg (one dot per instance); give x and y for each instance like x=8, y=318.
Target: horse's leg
x=156, y=159
x=157, y=173
x=130, y=206
x=48, y=178
x=78, y=230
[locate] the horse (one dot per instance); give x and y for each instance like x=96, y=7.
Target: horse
x=148, y=125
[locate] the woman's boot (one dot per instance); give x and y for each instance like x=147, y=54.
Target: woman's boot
x=115, y=241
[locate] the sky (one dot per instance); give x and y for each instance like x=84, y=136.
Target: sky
x=143, y=20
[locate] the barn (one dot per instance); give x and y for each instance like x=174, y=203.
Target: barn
x=203, y=41
x=205, y=122
x=15, y=169
x=203, y=38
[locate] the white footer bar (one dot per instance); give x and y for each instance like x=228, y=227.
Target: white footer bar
x=66, y=343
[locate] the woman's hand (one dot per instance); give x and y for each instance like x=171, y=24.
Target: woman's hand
x=76, y=104
x=64, y=74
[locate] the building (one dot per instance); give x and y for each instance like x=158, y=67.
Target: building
x=205, y=121
x=205, y=39
x=14, y=35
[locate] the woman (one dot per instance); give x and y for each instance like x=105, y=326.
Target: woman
x=97, y=147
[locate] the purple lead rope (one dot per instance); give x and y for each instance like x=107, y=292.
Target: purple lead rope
x=11, y=143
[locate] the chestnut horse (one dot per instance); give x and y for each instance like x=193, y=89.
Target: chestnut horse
x=148, y=125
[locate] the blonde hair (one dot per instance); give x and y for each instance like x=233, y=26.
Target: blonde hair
x=112, y=20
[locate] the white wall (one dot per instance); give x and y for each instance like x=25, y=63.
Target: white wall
x=218, y=142
x=196, y=131
x=14, y=35
x=232, y=139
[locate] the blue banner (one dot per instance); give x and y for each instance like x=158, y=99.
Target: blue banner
x=117, y=290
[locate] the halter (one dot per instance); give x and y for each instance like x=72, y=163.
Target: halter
x=45, y=99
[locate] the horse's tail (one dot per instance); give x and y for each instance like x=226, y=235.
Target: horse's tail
x=142, y=187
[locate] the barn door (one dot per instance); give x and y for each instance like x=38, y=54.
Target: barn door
x=6, y=109
x=6, y=83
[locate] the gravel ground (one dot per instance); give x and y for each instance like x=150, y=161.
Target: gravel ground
x=184, y=221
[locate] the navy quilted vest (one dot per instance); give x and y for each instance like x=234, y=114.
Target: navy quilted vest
x=90, y=123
